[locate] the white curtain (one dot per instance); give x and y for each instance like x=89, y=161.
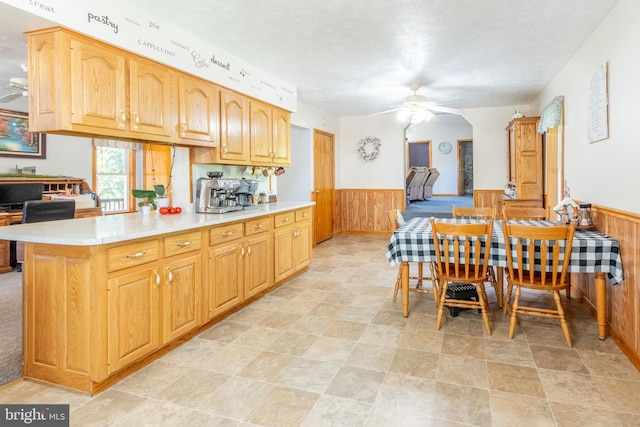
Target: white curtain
x=552, y=115
x=111, y=143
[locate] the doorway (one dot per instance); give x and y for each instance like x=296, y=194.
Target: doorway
x=418, y=154
x=465, y=167
x=324, y=184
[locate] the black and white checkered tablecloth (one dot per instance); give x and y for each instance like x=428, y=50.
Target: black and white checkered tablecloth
x=591, y=251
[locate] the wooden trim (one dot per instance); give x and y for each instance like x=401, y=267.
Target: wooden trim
x=365, y=210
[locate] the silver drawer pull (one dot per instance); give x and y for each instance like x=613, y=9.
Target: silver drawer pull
x=227, y=233
x=183, y=244
x=258, y=227
x=136, y=255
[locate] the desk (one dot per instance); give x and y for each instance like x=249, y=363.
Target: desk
x=591, y=252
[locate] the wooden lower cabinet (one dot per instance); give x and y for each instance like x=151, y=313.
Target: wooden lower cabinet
x=93, y=314
x=292, y=242
x=242, y=266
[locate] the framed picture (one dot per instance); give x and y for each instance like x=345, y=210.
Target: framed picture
x=15, y=138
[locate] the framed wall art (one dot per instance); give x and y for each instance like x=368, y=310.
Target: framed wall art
x=15, y=138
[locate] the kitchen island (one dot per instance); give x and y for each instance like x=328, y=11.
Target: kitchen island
x=103, y=296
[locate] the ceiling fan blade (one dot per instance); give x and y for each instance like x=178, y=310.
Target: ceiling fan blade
x=10, y=97
x=388, y=111
x=444, y=109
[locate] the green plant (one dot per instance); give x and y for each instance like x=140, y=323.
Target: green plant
x=149, y=196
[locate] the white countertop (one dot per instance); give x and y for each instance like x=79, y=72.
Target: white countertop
x=117, y=228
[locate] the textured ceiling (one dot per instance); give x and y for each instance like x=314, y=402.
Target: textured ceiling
x=358, y=57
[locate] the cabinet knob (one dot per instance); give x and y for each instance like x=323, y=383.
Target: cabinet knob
x=169, y=275
x=183, y=244
x=248, y=250
x=227, y=233
x=183, y=129
x=258, y=227
x=123, y=120
x=136, y=120
x=157, y=278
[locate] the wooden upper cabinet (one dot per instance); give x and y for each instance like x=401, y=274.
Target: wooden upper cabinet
x=98, y=90
x=281, y=137
x=198, y=110
x=149, y=98
x=270, y=135
x=234, y=128
x=261, y=125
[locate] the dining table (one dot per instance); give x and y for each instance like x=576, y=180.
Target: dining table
x=591, y=252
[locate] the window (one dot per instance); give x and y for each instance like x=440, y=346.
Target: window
x=114, y=177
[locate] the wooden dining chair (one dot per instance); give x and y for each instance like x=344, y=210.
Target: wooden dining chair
x=549, y=243
x=462, y=256
x=521, y=212
x=481, y=213
x=396, y=219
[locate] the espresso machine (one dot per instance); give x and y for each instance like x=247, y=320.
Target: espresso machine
x=217, y=195
x=246, y=192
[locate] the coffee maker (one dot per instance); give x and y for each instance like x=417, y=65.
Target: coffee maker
x=246, y=192
x=217, y=195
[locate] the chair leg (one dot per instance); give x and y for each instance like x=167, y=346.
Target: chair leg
x=514, y=311
x=507, y=299
x=397, y=287
x=443, y=295
x=482, y=296
x=419, y=283
x=563, y=319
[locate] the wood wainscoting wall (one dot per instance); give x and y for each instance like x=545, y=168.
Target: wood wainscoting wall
x=365, y=210
x=623, y=301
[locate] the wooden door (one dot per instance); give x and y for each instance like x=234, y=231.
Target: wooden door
x=234, y=128
x=199, y=102
x=149, y=98
x=258, y=260
x=226, y=277
x=181, y=296
x=98, y=96
x=283, y=252
x=133, y=316
x=281, y=137
x=261, y=133
x=324, y=184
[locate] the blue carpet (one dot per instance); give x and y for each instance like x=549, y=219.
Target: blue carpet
x=436, y=206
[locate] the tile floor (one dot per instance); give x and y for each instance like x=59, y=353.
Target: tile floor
x=331, y=348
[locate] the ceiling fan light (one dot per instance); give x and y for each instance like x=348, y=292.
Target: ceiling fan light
x=403, y=115
x=421, y=115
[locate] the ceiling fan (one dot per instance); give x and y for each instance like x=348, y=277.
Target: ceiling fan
x=20, y=88
x=417, y=109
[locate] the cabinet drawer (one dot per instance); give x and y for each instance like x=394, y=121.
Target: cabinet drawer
x=225, y=233
x=303, y=214
x=182, y=243
x=131, y=255
x=256, y=226
x=284, y=219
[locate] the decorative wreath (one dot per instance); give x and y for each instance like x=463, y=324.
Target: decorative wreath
x=369, y=148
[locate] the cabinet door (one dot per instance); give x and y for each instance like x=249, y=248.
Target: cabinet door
x=302, y=245
x=281, y=137
x=234, y=129
x=181, y=296
x=258, y=261
x=133, y=316
x=283, y=252
x=98, y=93
x=261, y=130
x=226, y=277
x=199, y=102
x=149, y=98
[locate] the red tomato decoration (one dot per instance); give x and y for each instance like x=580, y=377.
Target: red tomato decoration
x=178, y=209
x=164, y=210
x=172, y=211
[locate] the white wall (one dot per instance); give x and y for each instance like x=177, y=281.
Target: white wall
x=297, y=181
x=605, y=172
